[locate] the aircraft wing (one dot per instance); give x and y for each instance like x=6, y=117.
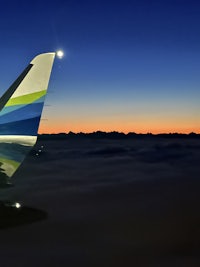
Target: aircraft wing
x=20, y=112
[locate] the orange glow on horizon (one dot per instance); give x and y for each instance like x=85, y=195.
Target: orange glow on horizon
x=91, y=120
x=110, y=127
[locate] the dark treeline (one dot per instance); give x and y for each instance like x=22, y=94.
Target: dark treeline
x=115, y=135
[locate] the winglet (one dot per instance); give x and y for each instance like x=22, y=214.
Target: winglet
x=25, y=98
x=20, y=112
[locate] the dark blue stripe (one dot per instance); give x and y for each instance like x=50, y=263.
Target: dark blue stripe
x=23, y=113
x=24, y=127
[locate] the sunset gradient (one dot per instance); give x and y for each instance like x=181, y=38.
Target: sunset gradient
x=129, y=66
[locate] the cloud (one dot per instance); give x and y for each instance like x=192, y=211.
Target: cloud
x=110, y=203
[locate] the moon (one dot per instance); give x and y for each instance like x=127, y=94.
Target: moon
x=60, y=54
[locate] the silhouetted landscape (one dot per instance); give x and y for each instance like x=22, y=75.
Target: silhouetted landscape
x=116, y=135
x=111, y=200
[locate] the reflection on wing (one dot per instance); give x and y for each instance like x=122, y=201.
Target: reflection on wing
x=21, y=107
x=11, y=156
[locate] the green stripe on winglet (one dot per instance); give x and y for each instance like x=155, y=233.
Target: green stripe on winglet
x=11, y=162
x=9, y=166
x=25, y=99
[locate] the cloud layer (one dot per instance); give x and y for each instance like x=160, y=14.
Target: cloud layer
x=109, y=202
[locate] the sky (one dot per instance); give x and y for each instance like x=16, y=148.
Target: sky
x=129, y=66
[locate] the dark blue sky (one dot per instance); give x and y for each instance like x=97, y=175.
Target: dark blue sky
x=128, y=65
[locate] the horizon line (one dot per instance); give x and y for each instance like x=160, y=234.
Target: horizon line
x=116, y=132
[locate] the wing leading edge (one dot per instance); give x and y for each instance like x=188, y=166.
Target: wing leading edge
x=20, y=112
